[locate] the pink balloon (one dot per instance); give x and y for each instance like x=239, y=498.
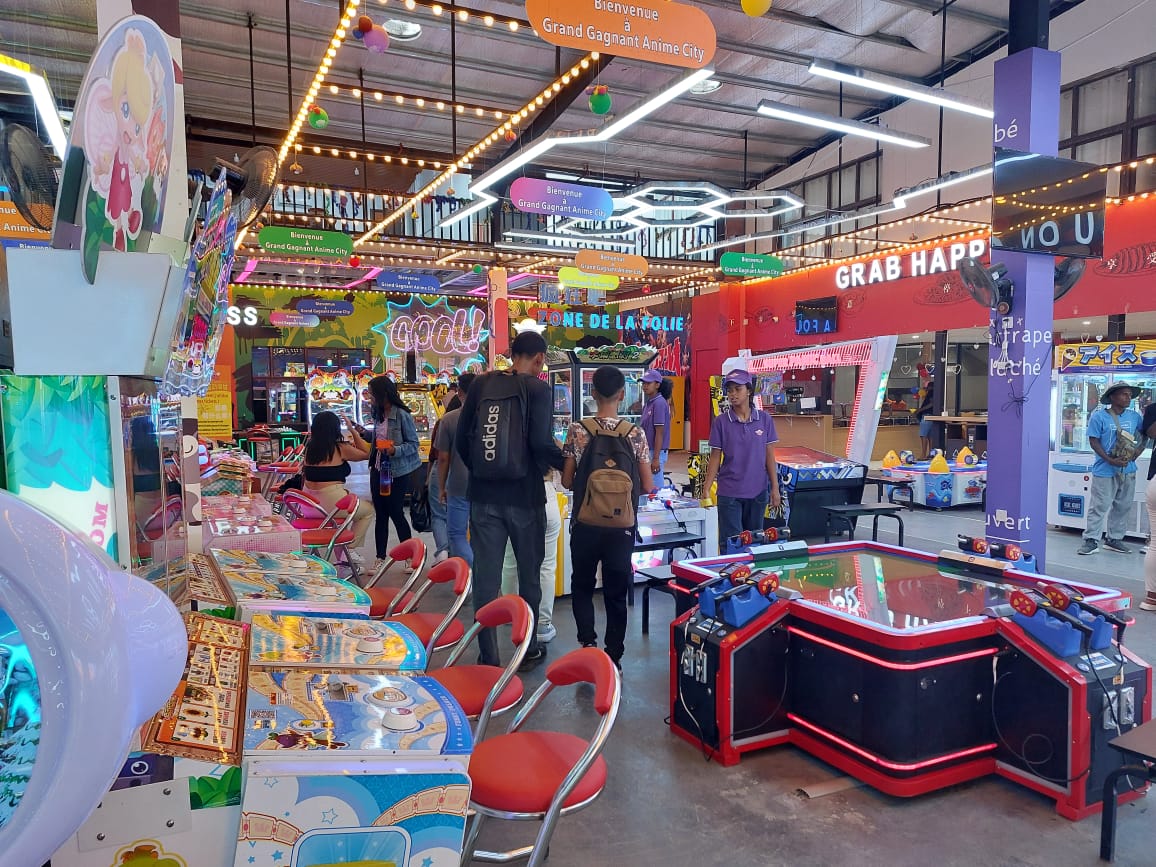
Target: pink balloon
x=377, y=39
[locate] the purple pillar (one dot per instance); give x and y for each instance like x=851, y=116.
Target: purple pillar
x=1027, y=107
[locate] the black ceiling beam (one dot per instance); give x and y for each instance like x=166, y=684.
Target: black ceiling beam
x=933, y=7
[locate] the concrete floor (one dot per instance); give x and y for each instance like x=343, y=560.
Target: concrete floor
x=665, y=805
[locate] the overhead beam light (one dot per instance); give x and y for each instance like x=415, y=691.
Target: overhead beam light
x=42, y=98
x=841, y=124
x=898, y=87
x=548, y=142
x=551, y=238
x=940, y=183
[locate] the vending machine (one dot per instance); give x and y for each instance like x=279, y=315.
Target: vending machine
x=1083, y=372
x=572, y=381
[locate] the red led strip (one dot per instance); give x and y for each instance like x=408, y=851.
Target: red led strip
x=896, y=666
x=895, y=766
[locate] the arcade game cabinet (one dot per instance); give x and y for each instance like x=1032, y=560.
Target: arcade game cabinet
x=333, y=389
x=907, y=671
x=76, y=680
x=572, y=381
x=425, y=410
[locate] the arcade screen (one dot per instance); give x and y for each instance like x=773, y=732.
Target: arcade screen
x=19, y=718
x=817, y=316
x=890, y=590
x=1048, y=205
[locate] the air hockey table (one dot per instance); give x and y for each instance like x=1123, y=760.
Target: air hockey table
x=809, y=480
x=906, y=670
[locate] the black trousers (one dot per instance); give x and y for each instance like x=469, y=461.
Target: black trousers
x=490, y=526
x=388, y=509
x=613, y=548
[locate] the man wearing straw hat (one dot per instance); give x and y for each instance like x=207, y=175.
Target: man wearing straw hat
x=1114, y=435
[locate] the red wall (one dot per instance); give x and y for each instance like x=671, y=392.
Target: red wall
x=741, y=316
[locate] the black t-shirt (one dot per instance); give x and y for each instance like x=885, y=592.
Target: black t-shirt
x=1149, y=420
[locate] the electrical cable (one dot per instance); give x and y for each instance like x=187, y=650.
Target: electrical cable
x=1031, y=766
x=682, y=698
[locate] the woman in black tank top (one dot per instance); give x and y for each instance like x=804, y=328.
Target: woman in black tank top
x=326, y=467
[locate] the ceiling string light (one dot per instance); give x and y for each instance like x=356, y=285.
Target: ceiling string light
x=468, y=15
x=470, y=155
x=416, y=100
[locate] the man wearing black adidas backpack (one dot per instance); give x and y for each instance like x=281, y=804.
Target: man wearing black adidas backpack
x=607, y=468
x=505, y=437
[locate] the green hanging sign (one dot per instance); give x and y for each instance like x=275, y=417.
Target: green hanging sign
x=305, y=242
x=751, y=265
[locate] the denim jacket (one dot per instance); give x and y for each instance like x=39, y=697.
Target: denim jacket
x=398, y=427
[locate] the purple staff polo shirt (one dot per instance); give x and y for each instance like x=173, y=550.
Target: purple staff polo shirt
x=743, y=473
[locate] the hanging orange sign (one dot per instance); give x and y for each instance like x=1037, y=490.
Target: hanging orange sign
x=625, y=265
x=13, y=225
x=660, y=31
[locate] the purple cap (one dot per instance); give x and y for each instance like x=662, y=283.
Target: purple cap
x=652, y=376
x=738, y=377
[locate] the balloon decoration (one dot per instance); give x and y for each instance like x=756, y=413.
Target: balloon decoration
x=511, y=135
x=376, y=40
x=318, y=117
x=354, y=261
x=600, y=99
x=477, y=269
x=756, y=8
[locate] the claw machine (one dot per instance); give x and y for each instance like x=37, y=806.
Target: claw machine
x=572, y=381
x=331, y=389
x=1082, y=373
x=425, y=411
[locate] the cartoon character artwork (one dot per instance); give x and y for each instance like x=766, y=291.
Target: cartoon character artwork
x=200, y=322
x=117, y=166
x=148, y=853
x=333, y=390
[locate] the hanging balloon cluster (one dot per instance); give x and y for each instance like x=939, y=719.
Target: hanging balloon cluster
x=756, y=8
x=318, y=117
x=600, y=99
x=374, y=36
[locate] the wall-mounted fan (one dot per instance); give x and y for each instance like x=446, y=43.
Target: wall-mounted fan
x=252, y=181
x=1068, y=274
x=27, y=168
x=988, y=285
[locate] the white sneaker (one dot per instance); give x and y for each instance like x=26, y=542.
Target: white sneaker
x=547, y=633
x=356, y=558
x=441, y=555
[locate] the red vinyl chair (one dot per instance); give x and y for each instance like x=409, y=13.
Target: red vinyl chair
x=531, y=775
x=436, y=631
x=383, y=601
x=302, y=510
x=335, y=533
x=489, y=690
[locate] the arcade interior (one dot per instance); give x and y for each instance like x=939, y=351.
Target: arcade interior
x=918, y=232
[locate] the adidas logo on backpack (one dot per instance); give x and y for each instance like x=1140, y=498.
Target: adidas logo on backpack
x=499, y=450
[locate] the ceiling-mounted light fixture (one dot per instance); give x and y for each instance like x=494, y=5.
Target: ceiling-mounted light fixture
x=402, y=31
x=42, y=98
x=708, y=86
x=548, y=142
x=841, y=124
x=898, y=87
x=941, y=183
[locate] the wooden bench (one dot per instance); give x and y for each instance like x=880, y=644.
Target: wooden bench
x=845, y=516
x=881, y=482
x=1138, y=747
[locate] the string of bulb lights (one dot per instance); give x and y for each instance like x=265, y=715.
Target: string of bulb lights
x=422, y=101
x=466, y=15
x=531, y=106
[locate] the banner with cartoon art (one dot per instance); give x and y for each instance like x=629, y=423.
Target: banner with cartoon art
x=57, y=453
x=116, y=168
